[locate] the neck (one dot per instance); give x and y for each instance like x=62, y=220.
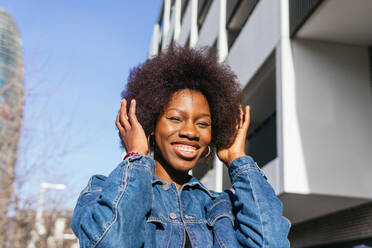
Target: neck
x=169, y=175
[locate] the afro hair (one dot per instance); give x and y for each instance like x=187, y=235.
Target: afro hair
x=154, y=82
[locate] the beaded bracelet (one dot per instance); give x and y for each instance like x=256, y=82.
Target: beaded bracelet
x=130, y=154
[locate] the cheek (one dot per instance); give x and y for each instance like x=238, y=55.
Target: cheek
x=163, y=131
x=207, y=136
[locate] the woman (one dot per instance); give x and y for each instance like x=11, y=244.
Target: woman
x=181, y=106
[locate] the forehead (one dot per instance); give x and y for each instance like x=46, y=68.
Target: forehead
x=186, y=99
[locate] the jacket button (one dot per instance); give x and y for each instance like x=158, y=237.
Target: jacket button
x=172, y=216
x=165, y=187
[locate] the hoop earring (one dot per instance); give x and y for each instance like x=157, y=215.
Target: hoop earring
x=209, y=152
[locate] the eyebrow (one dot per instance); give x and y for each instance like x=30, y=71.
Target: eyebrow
x=178, y=110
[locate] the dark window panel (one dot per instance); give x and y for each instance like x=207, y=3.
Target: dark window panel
x=203, y=8
x=238, y=17
x=300, y=11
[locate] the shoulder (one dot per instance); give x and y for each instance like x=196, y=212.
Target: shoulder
x=95, y=184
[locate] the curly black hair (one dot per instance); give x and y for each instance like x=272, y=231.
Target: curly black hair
x=154, y=82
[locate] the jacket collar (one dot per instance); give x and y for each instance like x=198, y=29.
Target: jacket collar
x=193, y=182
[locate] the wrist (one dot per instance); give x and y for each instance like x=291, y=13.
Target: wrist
x=130, y=154
x=137, y=150
x=234, y=156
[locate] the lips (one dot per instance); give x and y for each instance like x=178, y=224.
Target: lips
x=187, y=151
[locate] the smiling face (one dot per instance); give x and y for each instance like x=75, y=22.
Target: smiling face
x=183, y=132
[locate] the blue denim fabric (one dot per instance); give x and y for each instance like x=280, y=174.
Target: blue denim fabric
x=133, y=208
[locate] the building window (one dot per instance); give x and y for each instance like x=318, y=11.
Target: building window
x=260, y=94
x=299, y=12
x=212, y=52
x=185, y=3
x=237, y=13
x=203, y=8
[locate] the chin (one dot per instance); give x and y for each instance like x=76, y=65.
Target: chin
x=183, y=165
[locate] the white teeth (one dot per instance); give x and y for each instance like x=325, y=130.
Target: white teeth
x=185, y=148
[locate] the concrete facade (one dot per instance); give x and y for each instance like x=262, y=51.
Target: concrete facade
x=305, y=70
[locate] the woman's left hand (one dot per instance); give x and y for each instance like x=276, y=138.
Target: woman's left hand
x=237, y=149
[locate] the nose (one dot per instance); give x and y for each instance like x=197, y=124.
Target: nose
x=189, y=131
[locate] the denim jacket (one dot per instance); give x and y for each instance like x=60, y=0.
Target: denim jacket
x=133, y=208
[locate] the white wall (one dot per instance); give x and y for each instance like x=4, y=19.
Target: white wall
x=169, y=36
x=209, y=30
x=334, y=117
x=185, y=25
x=256, y=41
x=271, y=171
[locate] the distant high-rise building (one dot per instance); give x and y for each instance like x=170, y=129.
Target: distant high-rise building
x=11, y=101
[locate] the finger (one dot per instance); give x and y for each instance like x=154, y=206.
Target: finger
x=123, y=115
x=247, y=117
x=241, y=116
x=132, y=112
x=118, y=124
x=123, y=108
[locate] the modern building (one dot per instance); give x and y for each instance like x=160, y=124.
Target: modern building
x=11, y=101
x=305, y=69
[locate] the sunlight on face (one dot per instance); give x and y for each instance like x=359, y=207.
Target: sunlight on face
x=184, y=130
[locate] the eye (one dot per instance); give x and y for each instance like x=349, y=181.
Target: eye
x=174, y=118
x=203, y=124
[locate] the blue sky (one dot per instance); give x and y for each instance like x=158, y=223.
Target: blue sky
x=77, y=57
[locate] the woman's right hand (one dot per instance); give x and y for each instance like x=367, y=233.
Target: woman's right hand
x=130, y=130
